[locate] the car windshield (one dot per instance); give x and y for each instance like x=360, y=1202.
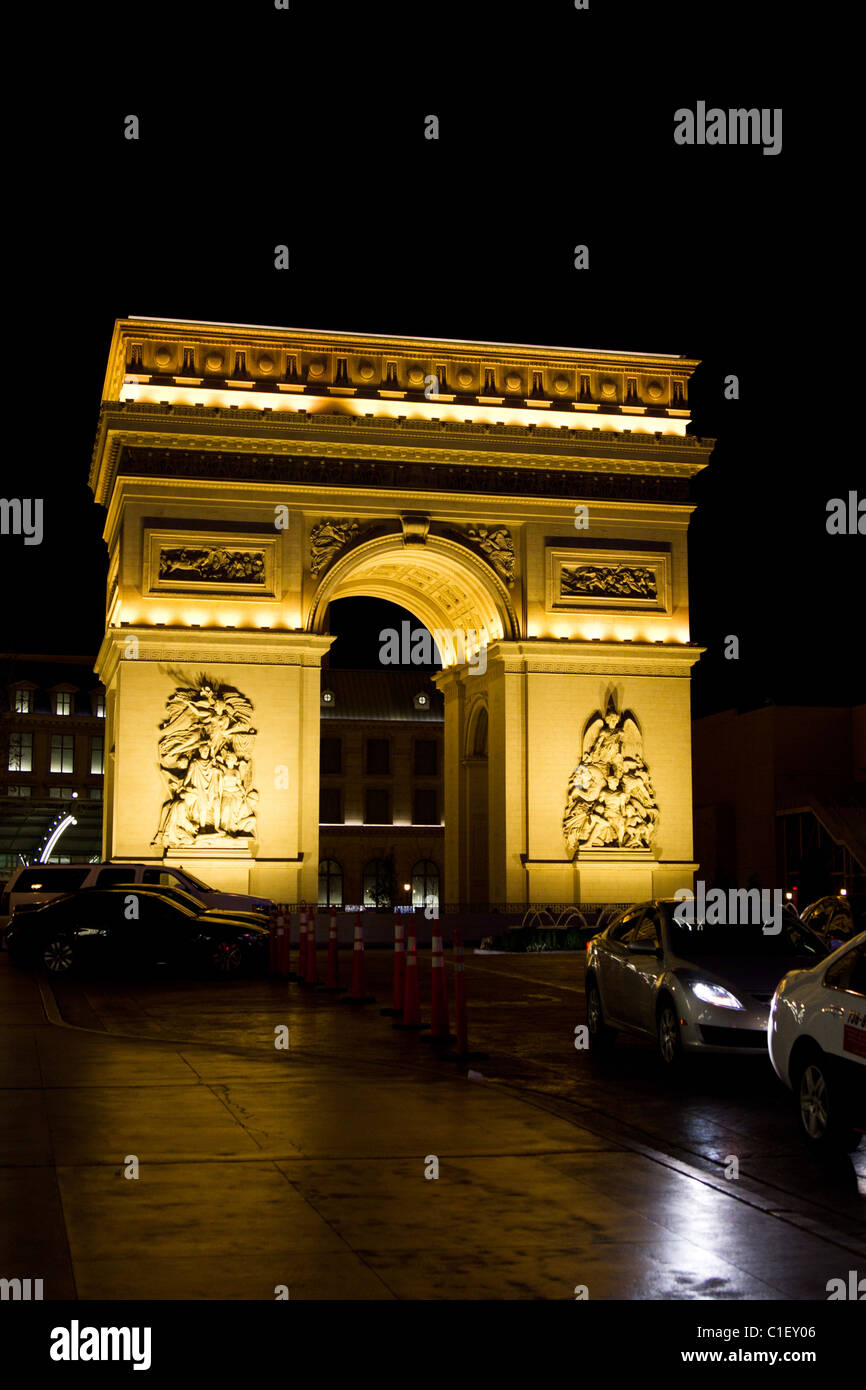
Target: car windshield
x=145, y=890
x=191, y=878
x=176, y=896
x=698, y=939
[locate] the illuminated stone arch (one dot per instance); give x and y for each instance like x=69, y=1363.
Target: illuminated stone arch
x=477, y=729
x=444, y=584
x=250, y=476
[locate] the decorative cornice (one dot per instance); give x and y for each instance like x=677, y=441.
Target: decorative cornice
x=573, y=657
x=243, y=357
x=223, y=646
x=340, y=435
x=408, y=476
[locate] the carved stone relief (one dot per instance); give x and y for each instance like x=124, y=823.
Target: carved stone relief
x=619, y=581
x=610, y=801
x=327, y=538
x=205, y=755
x=497, y=545
x=212, y=563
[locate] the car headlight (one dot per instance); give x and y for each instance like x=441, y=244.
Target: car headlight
x=715, y=994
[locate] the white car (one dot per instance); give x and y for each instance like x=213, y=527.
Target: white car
x=817, y=1040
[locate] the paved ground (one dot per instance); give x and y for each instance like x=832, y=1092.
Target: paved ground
x=307, y=1167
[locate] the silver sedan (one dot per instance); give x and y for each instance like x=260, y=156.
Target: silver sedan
x=692, y=987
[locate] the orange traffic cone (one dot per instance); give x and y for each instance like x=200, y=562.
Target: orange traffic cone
x=358, y=993
x=439, y=1031
x=399, y=970
x=411, y=1003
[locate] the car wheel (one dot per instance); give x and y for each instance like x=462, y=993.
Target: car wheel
x=601, y=1036
x=668, y=1032
x=822, y=1118
x=227, y=958
x=57, y=956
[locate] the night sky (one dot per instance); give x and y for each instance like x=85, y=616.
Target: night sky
x=306, y=127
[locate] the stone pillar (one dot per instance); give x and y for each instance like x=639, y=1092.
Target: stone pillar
x=279, y=673
x=541, y=697
x=454, y=788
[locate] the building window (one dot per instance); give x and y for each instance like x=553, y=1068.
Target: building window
x=331, y=755
x=330, y=883
x=62, y=752
x=20, y=752
x=425, y=809
x=378, y=883
x=426, y=757
x=95, y=793
x=23, y=701
x=378, y=756
x=17, y=791
x=99, y=705
x=62, y=704
x=330, y=806
x=97, y=754
x=377, y=806
x=425, y=884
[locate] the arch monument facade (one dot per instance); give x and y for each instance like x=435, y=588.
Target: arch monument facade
x=528, y=505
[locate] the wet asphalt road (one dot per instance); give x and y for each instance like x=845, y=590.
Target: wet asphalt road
x=309, y=1168
x=523, y=1011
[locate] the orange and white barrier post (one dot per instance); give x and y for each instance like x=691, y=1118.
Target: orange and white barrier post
x=332, y=976
x=461, y=1052
x=358, y=993
x=310, y=973
x=399, y=969
x=278, y=942
x=461, y=1021
x=302, y=945
x=439, y=1031
x=411, y=1019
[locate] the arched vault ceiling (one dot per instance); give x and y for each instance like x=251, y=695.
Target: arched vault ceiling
x=444, y=585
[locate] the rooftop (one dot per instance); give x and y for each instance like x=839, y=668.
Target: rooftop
x=381, y=695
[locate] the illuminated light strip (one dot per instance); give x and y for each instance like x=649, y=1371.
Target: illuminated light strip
x=139, y=393
x=64, y=825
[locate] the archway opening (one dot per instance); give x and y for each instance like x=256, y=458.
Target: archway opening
x=441, y=606
x=382, y=758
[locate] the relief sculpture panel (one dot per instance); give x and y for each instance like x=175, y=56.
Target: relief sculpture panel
x=205, y=755
x=610, y=800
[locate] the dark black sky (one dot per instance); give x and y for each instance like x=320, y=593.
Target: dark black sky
x=306, y=127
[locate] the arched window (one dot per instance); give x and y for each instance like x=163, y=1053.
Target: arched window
x=378, y=883
x=477, y=741
x=425, y=884
x=330, y=883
